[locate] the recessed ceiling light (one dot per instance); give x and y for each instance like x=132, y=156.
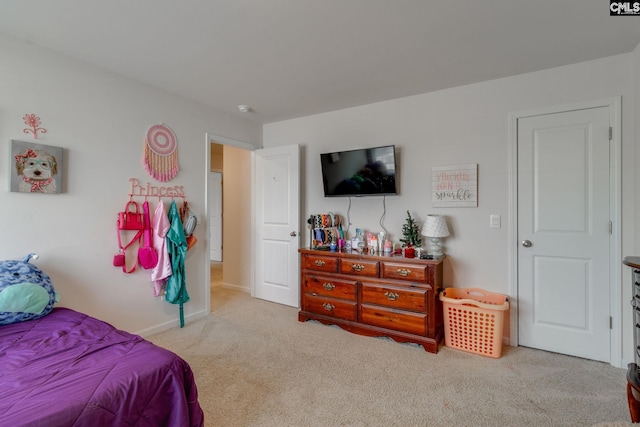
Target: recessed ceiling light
x=244, y=108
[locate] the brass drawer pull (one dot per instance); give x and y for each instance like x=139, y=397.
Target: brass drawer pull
x=392, y=296
x=328, y=286
x=357, y=267
x=328, y=307
x=404, y=272
x=319, y=263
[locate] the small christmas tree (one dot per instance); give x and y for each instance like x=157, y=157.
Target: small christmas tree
x=411, y=233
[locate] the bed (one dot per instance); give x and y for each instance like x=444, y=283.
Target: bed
x=70, y=369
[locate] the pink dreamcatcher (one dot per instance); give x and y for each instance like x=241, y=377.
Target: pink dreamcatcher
x=161, y=153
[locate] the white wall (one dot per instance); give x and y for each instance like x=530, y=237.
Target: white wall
x=100, y=120
x=467, y=124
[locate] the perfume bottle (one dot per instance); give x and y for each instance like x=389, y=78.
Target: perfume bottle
x=381, y=238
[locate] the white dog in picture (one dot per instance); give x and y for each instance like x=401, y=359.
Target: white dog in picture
x=37, y=170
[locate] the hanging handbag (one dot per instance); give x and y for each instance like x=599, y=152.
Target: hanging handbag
x=189, y=221
x=131, y=218
x=146, y=253
x=119, y=259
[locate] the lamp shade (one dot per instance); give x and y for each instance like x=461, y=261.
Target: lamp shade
x=435, y=226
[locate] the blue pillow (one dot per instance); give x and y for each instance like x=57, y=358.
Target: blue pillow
x=26, y=292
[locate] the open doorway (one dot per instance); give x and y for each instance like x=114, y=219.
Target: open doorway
x=229, y=217
x=215, y=213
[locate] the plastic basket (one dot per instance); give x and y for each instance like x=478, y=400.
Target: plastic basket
x=473, y=320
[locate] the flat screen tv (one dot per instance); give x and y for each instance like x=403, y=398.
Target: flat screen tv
x=363, y=172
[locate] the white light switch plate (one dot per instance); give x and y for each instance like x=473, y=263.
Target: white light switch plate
x=494, y=221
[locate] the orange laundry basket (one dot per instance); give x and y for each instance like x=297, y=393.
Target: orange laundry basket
x=473, y=320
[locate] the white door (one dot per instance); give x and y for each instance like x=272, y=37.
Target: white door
x=215, y=216
x=277, y=216
x=564, y=233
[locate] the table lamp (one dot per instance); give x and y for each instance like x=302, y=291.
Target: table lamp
x=434, y=228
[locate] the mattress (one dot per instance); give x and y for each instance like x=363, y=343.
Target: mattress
x=70, y=369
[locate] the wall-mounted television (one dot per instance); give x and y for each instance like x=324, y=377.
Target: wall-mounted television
x=363, y=172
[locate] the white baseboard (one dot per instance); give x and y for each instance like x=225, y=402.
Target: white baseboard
x=172, y=324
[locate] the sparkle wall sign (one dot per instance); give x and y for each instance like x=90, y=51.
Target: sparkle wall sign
x=454, y=186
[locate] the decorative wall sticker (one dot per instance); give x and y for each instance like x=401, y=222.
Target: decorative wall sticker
x=454, y=186
x=161, y=153
x=36, y=168
x=33, y=122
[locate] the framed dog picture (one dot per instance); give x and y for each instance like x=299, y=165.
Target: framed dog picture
x=36, y=168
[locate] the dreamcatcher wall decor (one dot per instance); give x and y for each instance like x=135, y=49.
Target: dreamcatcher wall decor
x=161, y=153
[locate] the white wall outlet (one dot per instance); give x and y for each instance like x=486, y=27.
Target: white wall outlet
x=494, y=221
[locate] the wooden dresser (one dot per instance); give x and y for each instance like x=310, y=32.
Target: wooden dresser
x=374, y=295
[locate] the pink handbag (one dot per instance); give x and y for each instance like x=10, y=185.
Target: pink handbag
x=131, y=219
x=147, y=253
x=119, y=260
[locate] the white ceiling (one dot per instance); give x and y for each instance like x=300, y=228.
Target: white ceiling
x=292, y=58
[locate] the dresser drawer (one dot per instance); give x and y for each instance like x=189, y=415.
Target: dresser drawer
x=398, y=297
x=414, y=272
x=360, y=267
x=341, y=309
x=332, y=287
x=320, y=263
x=398, y=320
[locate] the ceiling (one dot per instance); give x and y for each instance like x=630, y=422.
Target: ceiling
x=293, y=58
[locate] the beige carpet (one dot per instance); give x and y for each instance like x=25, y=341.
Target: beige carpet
x=256, y=365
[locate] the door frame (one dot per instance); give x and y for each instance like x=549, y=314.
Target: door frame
x=211, y=175
x=615, y=213
x=209, y=138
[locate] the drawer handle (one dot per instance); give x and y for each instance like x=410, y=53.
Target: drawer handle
x=319, y=263
x=404, y=272
x=357, y=267
x=392, y=296
x=328, y=286
x=328, y=307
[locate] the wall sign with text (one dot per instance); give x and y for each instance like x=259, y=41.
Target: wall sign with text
x=454, y=186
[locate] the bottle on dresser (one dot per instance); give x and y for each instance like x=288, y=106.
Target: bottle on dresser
x=357, y=243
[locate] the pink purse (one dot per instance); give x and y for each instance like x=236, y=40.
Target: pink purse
x=147, y=253
x=131, y=219
x=119, y=260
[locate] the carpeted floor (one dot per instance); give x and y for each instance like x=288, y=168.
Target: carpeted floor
x=256, y=365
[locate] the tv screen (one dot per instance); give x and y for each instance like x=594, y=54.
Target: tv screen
x=363, y=172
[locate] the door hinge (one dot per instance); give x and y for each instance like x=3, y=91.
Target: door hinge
x=610, y=322
x=610, y=133
x=610, y=227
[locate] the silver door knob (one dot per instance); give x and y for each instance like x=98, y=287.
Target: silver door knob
x=293, y=234
x=526, y=243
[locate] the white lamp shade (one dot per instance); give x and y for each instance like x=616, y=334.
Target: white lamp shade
x=435, y=226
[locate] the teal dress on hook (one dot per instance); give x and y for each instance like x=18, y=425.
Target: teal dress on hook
x=177, y=248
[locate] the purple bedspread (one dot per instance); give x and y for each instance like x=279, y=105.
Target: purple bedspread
x=69, y=369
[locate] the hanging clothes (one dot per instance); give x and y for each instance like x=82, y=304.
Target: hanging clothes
x=177, y=248
x=160, y=227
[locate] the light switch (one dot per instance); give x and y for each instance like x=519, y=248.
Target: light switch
x=494, y=221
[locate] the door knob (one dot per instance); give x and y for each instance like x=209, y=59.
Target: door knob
x=526, y=243
x=293, y=234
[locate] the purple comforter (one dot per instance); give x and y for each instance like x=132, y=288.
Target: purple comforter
x=69, y=369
